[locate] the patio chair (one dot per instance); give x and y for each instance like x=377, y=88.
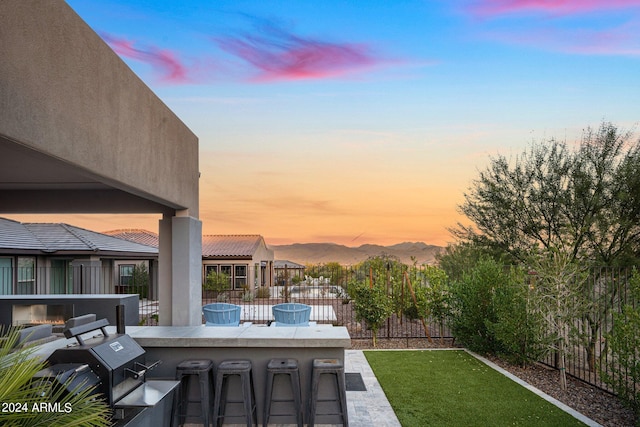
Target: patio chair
x=291, y=314
x=221, y=314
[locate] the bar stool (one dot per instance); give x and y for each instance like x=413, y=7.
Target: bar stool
x=242, y=368
x=287, y=367
x=335, y=368
x=186, y=370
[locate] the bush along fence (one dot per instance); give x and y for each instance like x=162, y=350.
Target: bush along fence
x=584, y=322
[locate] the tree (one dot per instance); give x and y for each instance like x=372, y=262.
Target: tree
x=585, y=201
x=372, y=305
x=217, y=281
x=472, y=309
x=559, y=299
x=140, y=280
x=436, y=296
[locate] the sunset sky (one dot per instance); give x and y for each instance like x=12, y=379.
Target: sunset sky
x=365, y=122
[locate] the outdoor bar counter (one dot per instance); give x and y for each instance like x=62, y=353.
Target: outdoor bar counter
x=258, y=343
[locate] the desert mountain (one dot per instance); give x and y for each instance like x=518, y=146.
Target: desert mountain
x=321, y=253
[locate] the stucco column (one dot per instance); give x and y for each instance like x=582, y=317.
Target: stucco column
x=186, y=271
x=165, y=261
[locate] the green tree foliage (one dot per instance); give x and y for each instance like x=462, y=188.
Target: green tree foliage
x=462, y=256
x=385, y=271
x=519, y=325
x=433, y=296
x=624, y=349
x=140, y=280
x=583, y=200
x=372, y=305
x=217, y=282
x=490, y=312
x=17, y=368
x=472, y=307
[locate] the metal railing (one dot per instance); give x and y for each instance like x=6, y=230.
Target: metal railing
x=326, y=290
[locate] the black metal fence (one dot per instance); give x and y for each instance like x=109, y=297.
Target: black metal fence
x=326, y=291
x=325, y=288
x=608, y=291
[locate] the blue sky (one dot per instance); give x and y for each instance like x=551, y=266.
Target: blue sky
x=365, y=122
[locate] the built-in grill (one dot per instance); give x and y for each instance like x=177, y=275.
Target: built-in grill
x=116, y=366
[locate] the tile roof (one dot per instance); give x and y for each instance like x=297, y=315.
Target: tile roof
x=230, y=245
x=144, y=237
x=51, y=238
x=282, y=263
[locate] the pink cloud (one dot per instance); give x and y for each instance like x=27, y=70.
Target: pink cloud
x=279, y=55
x=165, y=63
x=555, y=7
x=271, y=54
x=616, y=41
x=621, y=40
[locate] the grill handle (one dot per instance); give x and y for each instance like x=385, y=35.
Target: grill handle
x=137, y=374
x=76, y=331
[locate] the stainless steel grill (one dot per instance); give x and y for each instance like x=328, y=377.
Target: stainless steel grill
x=116, y=366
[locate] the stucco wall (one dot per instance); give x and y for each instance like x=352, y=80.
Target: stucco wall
x=64, y=92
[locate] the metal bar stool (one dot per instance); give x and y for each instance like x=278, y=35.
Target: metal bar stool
x=335, y=368
x=287, y=367
x=186, y=370
x=242, y=368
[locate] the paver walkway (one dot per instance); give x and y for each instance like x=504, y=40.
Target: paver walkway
x=371, y=407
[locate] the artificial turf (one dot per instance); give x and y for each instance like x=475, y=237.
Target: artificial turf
x=452, y=388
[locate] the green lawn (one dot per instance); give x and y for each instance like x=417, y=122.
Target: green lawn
x=452, y=388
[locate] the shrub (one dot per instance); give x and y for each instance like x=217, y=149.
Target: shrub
x=372, y=305
x=437, y=295
x=518, y=328
x=141, y=280
x=472, y=306
x=624, y=349
x=263, y=292
x=217, y=281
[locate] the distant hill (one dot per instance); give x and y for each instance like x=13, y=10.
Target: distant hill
x=321, y=253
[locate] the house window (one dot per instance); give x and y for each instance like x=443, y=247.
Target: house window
x=6, y=276
x=126, y=274
x=227, y=269
x=61, y=277
x=26, y=275
x=240, y=278
x=208, y=269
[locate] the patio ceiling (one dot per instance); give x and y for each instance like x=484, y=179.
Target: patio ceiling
x=34, y=182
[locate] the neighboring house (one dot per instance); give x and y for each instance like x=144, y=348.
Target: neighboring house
x=286, y=270
x=246, y=259
x=143, y=237
x=47, y=258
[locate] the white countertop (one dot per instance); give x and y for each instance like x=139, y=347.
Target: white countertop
x=251, y=336
x=212, y=336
